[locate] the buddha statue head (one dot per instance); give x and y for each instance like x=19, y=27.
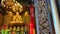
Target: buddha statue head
x=17, y=13
x=26, y=13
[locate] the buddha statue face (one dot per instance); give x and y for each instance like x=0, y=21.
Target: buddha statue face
x=17, y=13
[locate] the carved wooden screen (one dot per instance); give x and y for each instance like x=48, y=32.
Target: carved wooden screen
x=43, y=19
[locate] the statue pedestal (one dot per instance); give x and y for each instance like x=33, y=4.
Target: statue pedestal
x=14, y=23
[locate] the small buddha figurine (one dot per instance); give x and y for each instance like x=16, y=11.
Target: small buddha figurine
x=26, y=14
x=14, y=30
x=27, y=17
x=22, y=28
x=10, y=29
x=27, y=20
x=18, y=28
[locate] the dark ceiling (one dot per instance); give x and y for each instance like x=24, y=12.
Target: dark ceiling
x=23, y=0
x=26, y=1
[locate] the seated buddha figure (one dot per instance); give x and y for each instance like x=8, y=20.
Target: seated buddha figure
x=17, y=18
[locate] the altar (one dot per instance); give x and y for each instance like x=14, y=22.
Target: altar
x=17, y=24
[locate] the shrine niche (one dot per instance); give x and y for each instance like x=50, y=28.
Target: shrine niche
x=18, y=17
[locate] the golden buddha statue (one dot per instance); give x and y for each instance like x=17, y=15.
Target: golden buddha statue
x=27, y=17
x=17, y=18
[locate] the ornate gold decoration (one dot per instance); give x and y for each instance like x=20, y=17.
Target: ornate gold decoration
x=12, y=5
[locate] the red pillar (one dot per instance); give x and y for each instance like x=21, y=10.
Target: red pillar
x=32, y=19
